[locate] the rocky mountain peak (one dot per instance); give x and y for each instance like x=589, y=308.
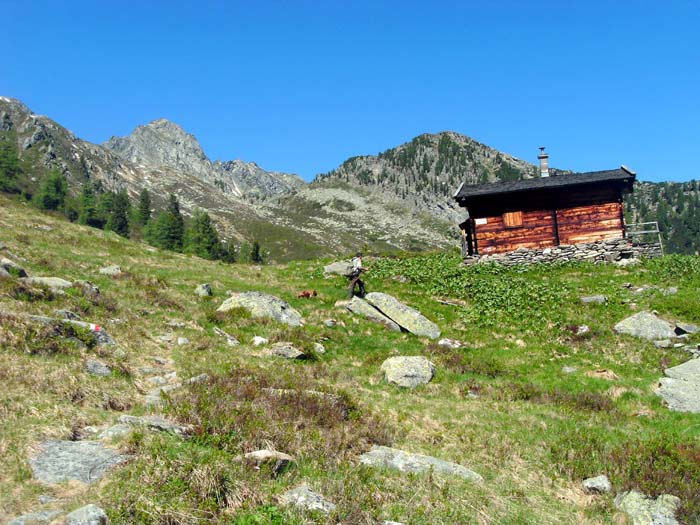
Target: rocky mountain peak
x=162, y=143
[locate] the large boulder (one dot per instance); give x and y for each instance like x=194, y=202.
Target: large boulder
x=343, y=268
x=647, y=326
x=681, y=387
x=408, y=371
x=263, y=305
x=644, y=510
x=361, y=307
x=405, y=316
x=86, y=461
x=393, y=458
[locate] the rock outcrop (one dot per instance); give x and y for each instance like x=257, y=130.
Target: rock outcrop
x=644, y=510
x=681, y=387
x=263, y=305
x=86, y=461
x=646, y=325
x=392, y=458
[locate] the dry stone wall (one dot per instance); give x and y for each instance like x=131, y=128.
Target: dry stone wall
x=604, y=251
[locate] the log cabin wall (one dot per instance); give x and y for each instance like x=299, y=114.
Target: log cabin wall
x=537, y=231
x=584, y=224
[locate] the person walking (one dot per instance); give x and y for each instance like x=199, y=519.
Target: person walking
x=355, y=280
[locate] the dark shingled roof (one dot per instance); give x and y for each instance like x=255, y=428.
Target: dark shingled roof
x=467, y=191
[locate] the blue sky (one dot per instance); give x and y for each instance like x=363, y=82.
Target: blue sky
x=301, y=86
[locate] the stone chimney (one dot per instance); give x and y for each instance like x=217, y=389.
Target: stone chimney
x=544, y=163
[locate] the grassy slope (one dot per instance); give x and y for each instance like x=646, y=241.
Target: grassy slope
x=531, y=431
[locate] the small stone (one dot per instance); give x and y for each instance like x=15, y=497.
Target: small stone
x=201, y=378
x=286, y=351
x=597, y=485
x=112, y=270
x=66, y=314
x=97, y=368
x=594, y=299
x=582, y=330
x=663, y=343
x=46, y=498
x=181, y=341
x=87, y=515
x=277, y=461
x=305, y=498
x=12, y=268
x=569, y=369
x=158, y=423
x=203, y=290
x=166, y=338
x=330, y=323
x=230, y=340
x=450, y=343
x=175, y=324
x=115, y=431
x=257, y=341
x=408, y=371
x=319, y=348
x=343, y=268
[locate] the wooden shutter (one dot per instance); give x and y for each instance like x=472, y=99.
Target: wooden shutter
x=513, y=219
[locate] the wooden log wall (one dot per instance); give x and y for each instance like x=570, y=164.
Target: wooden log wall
x=537, y=231
x=598, y=222
x=575, y=225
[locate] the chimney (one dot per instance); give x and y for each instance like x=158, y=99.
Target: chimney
x=544, y=163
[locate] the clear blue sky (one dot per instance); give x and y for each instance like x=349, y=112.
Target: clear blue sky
x=301, y=86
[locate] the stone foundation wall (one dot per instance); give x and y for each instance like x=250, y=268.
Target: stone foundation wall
x=597, y=252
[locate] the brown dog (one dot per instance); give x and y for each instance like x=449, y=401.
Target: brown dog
x=307, y=293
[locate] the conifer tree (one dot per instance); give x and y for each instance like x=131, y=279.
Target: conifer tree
x=87, y=213
x=10, y=168
x=144, y=210
x=201, y=238
x=52, y=191
x=167, y=230
x=119, y=218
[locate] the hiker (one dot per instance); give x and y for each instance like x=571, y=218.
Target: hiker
x=355, y=280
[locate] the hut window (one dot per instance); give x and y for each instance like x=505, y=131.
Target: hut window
x=513, y=219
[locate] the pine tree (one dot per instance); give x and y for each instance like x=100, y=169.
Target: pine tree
x=255, y=254
x=52, y=191
x=201, y=238
x=144, y=210
x=119, y=218
x=167, y=230
x=88, y=207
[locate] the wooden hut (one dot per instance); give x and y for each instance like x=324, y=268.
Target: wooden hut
x=543, y=212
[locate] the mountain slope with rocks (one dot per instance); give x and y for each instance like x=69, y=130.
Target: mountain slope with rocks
x=450, y=394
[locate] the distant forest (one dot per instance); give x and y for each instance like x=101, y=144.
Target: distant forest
x=676, y=208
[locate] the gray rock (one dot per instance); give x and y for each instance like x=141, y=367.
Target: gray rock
x=343, y=268
x=361, y=307
x=582, y=330
x=257, y=341
x=597, y=485
x=386, y=457
x=305, y=498
x=230, y=340
x=4, y=274
x=681, y=387
x=97, y=368
x=287, y=351
x=87, y=515
x=644, y=510
x=158, y=423
x=115, y=431
x=263, y=305
x=45, y=499
x=89, y=289
x=53, y=283
x=647, y=326
x=405, y=316
x=686, y=328
x=43, y=517
x=66, y=314
x=569, y=369
x=408, y=371
x=86, y=461
x=278, y=462
x=201, y=378
x=181, y=341
x=594, y=299
x=12, y=267
x=330, y=323
x=155, y=396
x=663, y=343
x=112, y=270
x=450, y=343
x=101, y=336
x=319, y=348
x=203, y=290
